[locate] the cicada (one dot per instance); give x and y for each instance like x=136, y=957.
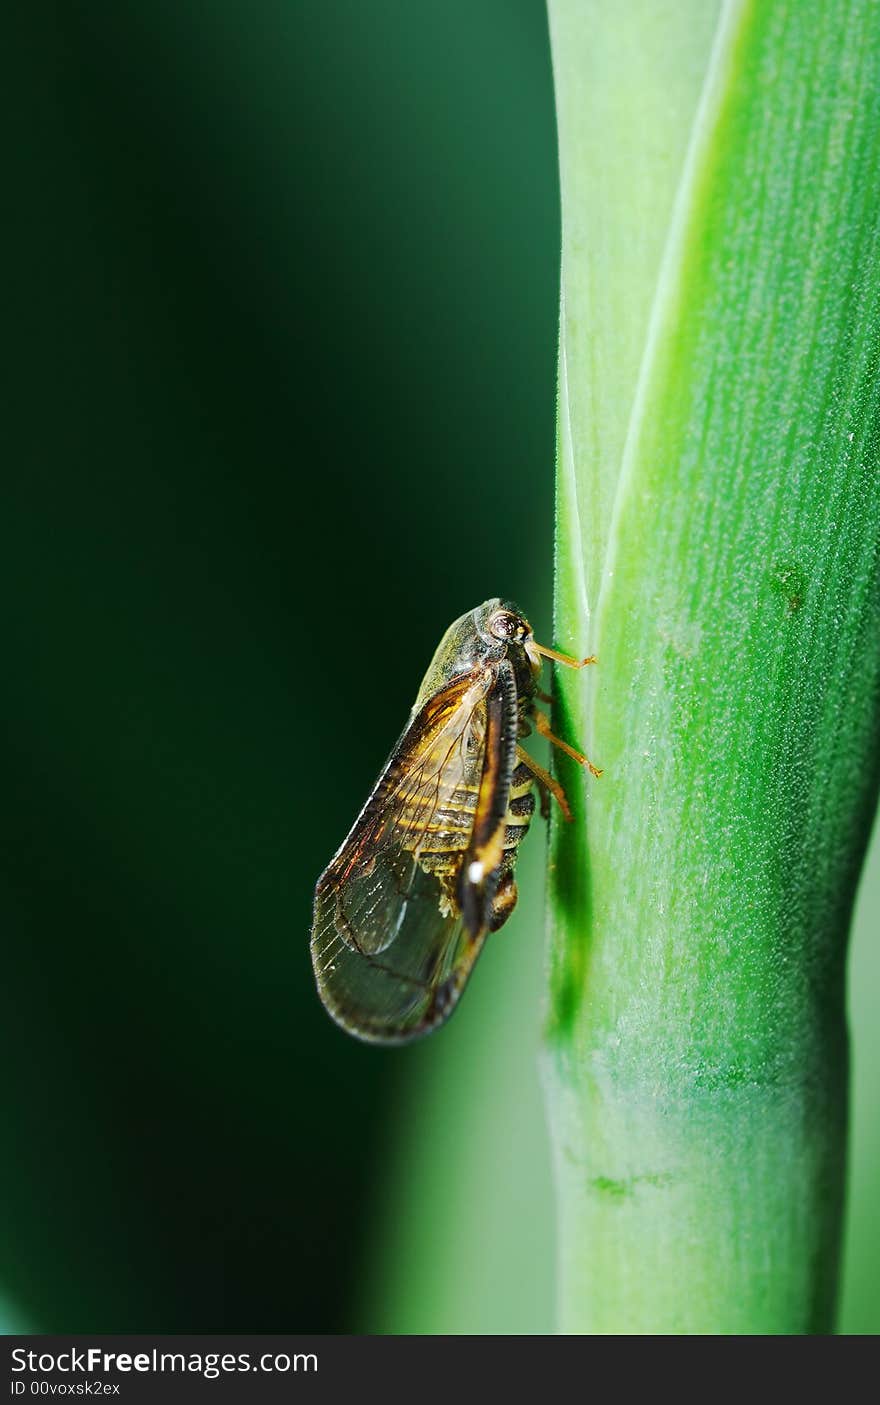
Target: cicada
x=427, y=872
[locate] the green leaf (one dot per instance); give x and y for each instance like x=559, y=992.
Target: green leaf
x=719, y=510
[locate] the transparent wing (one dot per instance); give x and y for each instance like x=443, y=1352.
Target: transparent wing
x=390, y=947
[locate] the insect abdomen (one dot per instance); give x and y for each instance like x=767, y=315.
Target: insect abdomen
x=447, y=833
x=520, y=806
x=448, y=836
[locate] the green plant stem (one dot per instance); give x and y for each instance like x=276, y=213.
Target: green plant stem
x=718, y=503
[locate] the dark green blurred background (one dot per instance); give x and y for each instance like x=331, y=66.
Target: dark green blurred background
x=281, y=351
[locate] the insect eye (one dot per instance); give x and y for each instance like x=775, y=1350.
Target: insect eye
x=503, y=626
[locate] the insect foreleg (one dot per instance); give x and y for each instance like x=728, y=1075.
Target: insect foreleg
x=568, y=659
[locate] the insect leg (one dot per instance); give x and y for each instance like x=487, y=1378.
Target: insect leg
x=542, y=723
x=544, y=778
x=567, y=659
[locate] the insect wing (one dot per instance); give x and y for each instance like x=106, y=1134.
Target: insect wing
x=390, y=947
